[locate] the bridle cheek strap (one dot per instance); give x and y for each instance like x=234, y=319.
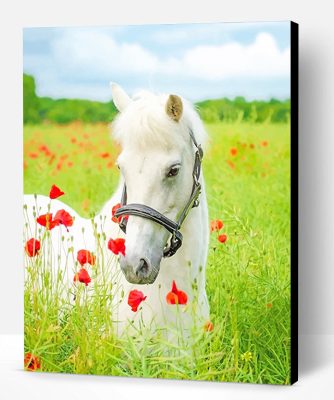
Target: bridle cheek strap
x=143, y=211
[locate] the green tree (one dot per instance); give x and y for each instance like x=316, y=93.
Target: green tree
x=30, y=101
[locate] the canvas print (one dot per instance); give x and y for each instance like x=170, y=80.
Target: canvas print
x=159, y=234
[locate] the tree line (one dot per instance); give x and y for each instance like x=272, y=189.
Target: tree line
x=61, y=111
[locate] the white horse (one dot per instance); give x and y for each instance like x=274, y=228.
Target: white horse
x=156, y=164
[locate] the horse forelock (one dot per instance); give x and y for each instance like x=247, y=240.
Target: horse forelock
x=145, y=123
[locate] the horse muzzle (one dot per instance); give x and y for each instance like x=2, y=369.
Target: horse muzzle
x=140, y=271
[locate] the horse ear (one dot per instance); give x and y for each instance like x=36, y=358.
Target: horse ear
x=174, y=107
x=120, y=98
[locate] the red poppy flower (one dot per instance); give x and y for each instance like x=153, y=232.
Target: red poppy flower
x=233, y=151
x=55, y=192
x=33, y=155
x=44, y=149
x=113, y=210
x=269, y=305
x=47, y=221
x=105, y=155
x=86, y=257
x=222, y=238
x=264, y=143
x=117, y=246
x=82, y=276
x=208, y=326
x=176, y=296
x=32, y=247
x=31, y=362
x=135, y=298
x=252, y=146
x=216, y=225
x=64, y=218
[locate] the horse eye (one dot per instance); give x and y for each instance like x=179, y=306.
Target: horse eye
x=173, y=171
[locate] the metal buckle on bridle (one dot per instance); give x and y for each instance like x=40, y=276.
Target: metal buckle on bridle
x=144, y=211
x=174, y=244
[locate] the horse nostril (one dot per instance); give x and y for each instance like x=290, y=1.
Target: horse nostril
x=142, y=269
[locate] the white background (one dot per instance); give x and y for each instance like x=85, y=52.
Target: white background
x=316, y=165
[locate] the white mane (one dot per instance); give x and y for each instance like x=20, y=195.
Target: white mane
x=145, y=123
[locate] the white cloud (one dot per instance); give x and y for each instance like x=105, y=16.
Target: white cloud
x=97, y=54
x=80, y=60
x=259, y=59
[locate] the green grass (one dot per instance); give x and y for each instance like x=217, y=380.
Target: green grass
x=248, y=277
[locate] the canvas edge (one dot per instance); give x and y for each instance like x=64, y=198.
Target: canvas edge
x=294, y=159
x=294, y=198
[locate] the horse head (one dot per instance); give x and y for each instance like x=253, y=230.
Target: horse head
x=159, y=136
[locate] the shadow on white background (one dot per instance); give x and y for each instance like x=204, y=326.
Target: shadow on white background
x=315, y=187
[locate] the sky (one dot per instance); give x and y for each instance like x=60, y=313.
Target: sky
x=196, y=61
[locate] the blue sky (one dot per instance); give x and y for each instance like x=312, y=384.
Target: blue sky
x=197, y=61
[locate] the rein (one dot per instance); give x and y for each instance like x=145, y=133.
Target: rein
x=141, y=210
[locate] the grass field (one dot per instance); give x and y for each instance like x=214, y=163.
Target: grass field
x=247, y=172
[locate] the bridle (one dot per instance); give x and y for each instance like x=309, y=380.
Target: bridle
x=140, y=210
